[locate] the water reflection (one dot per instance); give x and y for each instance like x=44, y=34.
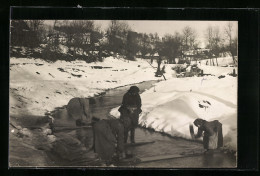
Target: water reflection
x=217, y=159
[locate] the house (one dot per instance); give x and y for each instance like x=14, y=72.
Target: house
x=86, y=38
x=56, y=36
x=155, y=55
x=195, y=54
x=151, y=56
x=138, y=54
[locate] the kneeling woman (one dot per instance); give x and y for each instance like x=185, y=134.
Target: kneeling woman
x=212, y=136
x=108, y=138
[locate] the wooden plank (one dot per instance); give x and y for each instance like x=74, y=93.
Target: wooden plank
x=165, y=157
x=139, y=144
x=58, y=129
x=128, y=161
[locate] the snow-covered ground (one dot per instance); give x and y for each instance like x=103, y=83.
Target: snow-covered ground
x=37, y=87
x=222, y=61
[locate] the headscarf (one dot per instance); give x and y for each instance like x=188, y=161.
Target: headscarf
x=198, y=122
x=134, y=89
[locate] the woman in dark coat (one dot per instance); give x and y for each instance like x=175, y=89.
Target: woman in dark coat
x=212, y=133
x=129, y=112
x=108, y=138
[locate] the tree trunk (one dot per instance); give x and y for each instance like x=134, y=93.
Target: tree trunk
x=74, y=51
x=159, y=64
x=158, y=68
x=217, y=61
x=233, y=57
x=213, y=62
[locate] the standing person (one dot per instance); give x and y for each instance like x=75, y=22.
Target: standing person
x=108, y=138
x=129, y=112
x=212, y=133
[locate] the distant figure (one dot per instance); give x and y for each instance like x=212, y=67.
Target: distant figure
x=212, y=136
x=108, y=136
x=129, y=112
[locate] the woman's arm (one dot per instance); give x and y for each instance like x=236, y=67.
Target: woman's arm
x=199, y=134
x=139, y=102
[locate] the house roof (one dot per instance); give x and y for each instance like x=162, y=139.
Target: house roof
x=138, y=53
x=156, y=54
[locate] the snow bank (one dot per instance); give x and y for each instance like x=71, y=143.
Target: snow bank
x=174, y=104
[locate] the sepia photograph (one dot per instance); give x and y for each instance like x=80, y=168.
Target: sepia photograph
x=123, y=93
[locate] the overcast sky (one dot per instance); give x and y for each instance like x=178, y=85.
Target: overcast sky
x=170, y=27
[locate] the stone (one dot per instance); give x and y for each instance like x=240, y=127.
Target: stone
x=78, y=108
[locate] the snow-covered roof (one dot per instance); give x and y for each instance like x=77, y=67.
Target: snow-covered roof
x=138, y=53
x=156, y=54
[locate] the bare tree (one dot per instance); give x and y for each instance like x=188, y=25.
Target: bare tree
x=189, y=38
x=214, y=42
x=171, y=46
x=117, y=36
x=36, y=28
x=117, y=27
x=145, y=42
x=34, y=25
x=209, y=39
x=217, y=42
x=78, y=33
x=231, y=40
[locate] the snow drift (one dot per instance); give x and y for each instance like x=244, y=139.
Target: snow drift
x=172, y=105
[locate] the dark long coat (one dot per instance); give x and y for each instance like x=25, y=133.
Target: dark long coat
x=130, y=110
x=212, y=133
x=108, y=138
x=131, y=99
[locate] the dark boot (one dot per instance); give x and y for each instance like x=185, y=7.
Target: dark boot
x=125, y=136
x=132, y=135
